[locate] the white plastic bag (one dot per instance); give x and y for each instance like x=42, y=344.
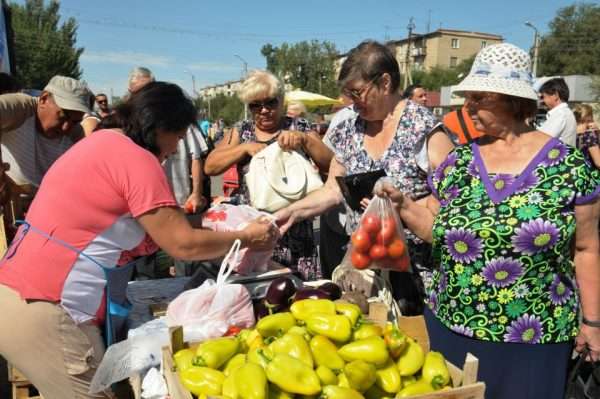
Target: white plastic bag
x=209, y=310
x=226, y=217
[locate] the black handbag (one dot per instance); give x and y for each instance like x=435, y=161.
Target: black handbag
x=584, y=378
x=358, y=186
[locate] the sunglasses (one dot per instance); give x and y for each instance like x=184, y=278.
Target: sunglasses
x=356, y=94
x=102, y=101
x=269, y=104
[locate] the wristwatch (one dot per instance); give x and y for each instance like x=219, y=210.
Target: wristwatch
x=591, y=323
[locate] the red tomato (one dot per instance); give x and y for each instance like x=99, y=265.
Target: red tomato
x=232, y=330
x=360, y=261
x=377, y=252
x=361, y=240
x=371, y=223
x=402, y=264
x=396, y=248
x=188, y=207
x=387, y=232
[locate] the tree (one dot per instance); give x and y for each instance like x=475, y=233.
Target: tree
x=230, y=108
x=305, y=65
x=437, y=76
x=42, y=47
x=573, y=44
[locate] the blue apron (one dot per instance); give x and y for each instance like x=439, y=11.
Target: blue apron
x=117, y=305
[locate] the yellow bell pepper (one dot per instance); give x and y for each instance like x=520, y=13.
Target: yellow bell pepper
x=360, y=374
x=394, y=339
x=419, y=387
x=295, y=346
x=259, y=356
x=408, y=380
x=326, y=376
x=251, y=382
x=202, y=380
x=215, y=352
x=388, y=377
x=291, y=375
x=303, y=309
x=377, y=393
x=245, y=337
x=275, y=324
x=234, y=363
x=184, y=359
x=372, y=350
x=300, y=330
x=325, y=353
x=276, y=393
x=435, y=370
x=229, y=390
x=367, y=330
x=336, y=392
x=411, y=359
x=350, y=310
x=343, y=380
x=334, y=327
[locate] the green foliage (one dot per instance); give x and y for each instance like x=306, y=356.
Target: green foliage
x=305, y=65
x=42, y=47
x=573, y=44
x=230, y=108
x=437, y=77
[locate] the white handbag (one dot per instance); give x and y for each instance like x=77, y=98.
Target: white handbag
x=276, y=178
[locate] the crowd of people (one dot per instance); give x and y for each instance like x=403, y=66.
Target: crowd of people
x=501, y=215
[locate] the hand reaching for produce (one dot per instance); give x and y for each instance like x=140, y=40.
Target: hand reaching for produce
x=261, y=234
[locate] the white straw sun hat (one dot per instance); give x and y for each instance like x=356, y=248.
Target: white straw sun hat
x=500, y=68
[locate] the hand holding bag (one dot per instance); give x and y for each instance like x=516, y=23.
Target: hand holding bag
x=276, y=178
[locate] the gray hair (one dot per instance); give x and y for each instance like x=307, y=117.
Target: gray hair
x=140, y=72
x=259, y=85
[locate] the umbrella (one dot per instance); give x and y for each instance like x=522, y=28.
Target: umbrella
x=310, y=99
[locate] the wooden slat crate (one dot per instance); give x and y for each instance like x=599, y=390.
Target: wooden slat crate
x=21, y=387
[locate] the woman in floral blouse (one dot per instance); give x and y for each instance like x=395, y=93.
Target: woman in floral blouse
x=384, y=132
x=263, y=93
x=503, y=218
x=588, y=134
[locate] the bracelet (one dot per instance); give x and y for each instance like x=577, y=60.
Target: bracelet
x=591, y=323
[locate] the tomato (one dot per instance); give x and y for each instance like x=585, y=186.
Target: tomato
x=232, y=330
x=371, y=223
x=360, y=261
x=377, y=252
x=188, y=207
x=361, y=241
x=402, y=264
x=387, y=231
x=396, y=248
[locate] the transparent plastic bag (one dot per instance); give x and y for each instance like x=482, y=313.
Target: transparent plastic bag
x=379, y=241
x=209, y=310
x=226, y=217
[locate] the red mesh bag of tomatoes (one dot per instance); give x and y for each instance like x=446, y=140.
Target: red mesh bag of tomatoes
x=379, y=241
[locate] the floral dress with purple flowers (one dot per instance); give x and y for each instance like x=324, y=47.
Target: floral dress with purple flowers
x=503, y=244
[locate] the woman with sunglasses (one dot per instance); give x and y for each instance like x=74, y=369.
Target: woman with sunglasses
x=384, y=132
x=263, y=93
x=514, y=224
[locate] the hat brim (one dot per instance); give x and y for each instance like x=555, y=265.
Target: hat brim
x=70, y=104
x=509, y=87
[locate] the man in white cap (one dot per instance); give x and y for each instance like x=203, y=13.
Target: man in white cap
x=35, y=131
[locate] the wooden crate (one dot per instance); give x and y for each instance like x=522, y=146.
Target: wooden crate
x=21, y=387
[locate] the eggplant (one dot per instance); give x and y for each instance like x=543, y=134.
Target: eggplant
x=334, y=290
x=280, y=292
x=310, y=293
x=263, y=308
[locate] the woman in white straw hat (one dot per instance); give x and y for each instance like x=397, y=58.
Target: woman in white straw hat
x=502, y=221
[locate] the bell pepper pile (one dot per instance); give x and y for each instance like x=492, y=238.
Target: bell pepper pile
x=319, y=349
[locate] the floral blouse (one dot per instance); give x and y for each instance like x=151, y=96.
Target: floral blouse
x=405, y=161
x=297, y=249
x=586, y=140
x=503, y=244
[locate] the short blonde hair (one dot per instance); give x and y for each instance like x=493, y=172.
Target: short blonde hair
x=583, y=113
x=260, y=85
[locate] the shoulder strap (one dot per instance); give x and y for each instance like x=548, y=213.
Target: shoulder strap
x=463, y=125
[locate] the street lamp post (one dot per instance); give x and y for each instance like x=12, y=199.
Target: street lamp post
x=194, y=92
x=244, y=77
x=536, y=47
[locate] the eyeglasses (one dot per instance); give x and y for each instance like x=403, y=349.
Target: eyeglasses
x=480, y=99
x=72, y=117
x=269, y=104
x=356, y=94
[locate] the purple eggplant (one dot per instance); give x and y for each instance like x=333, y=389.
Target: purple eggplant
x=280, y=291
x=334, y=290
x=310, y=293
x=263, y=308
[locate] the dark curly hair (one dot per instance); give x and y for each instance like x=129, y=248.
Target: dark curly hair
x=157, y=106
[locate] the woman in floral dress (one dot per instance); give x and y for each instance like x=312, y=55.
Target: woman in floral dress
x=502, y=220
x=588, y=134
x=384, y=132
x=264, y=95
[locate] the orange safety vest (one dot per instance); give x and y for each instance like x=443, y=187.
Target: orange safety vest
x=460, y=123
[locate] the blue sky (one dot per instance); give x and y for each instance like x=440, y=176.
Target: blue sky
x=177, y=39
